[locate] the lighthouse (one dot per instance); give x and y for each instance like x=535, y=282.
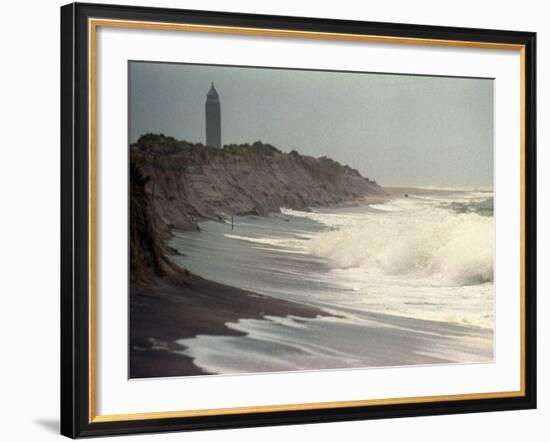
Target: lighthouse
x=213, y=118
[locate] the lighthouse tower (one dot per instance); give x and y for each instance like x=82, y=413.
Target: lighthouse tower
x=213, y=118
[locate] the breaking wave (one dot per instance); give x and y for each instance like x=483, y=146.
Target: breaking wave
x=453, y=248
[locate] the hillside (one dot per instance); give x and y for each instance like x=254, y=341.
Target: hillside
x=189, y=182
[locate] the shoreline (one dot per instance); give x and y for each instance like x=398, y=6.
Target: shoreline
x=169, y=311
x=194, y=226
x=175, y=305
x=167, y=302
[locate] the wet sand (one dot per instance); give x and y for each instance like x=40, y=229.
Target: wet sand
x=165, y=312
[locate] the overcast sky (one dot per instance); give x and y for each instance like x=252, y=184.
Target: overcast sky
x=396, y=129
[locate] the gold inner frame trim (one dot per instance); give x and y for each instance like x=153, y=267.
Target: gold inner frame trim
x=93, y=24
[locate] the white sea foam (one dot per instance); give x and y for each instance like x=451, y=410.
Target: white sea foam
x=327, y=219
x=450, y=247
x=284, y=245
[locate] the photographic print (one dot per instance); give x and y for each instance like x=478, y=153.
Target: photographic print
x=285, y=220
x=271, y=220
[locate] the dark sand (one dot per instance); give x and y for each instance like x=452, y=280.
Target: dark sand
x=165, y=312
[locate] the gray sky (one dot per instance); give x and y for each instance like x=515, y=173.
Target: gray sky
x=396, y=129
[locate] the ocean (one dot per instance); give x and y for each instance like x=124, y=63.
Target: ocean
x=406, y=282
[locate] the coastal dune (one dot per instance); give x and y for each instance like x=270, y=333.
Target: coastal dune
x=190, y=182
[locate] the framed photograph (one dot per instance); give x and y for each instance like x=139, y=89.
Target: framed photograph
x=274, y=220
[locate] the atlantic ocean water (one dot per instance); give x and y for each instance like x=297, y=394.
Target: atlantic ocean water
x=406, y=282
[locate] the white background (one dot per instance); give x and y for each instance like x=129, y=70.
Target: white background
x=29, y=238
x=115, y=395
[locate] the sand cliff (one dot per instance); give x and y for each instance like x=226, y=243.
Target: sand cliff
x=189, y=182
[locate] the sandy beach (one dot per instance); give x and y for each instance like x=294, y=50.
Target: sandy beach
x=166, y=311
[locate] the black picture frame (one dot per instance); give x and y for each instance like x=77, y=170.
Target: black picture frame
x=75, y=221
